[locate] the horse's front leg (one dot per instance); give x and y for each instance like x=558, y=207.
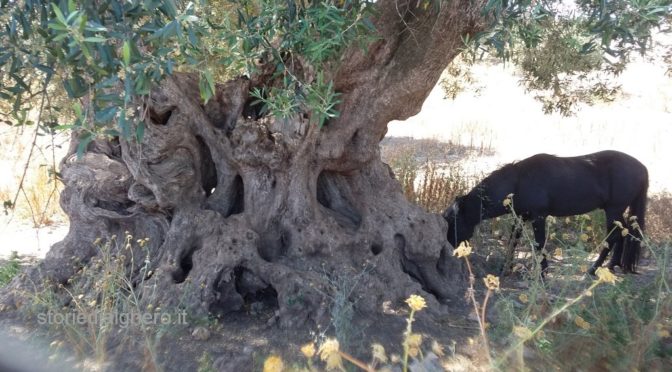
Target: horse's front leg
x=618, y=246
x=539, y=226
x=514, y=238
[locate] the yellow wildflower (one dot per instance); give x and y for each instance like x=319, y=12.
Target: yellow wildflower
x=416, y=303
x=492, y=282
x=619, y=224
x=462, y=250
x=308, y=350
x=606, y=276
x=583, y=268
x=507, y=201
x=557, y=253
x=584, y=237
x=329, y=353
x=581, y=323
x=378, y=352
x=625, y=232
x=273, y=364
x=522, y=332
x=523, y=298
x=663, y=333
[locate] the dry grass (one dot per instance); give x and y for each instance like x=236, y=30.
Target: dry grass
x=428, y=172
x=433, y=186
x=659, y=217
x=38, y=201
x=107, y=295
x=37, y=198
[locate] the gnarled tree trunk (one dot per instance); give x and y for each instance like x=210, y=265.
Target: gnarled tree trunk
x=239, y=209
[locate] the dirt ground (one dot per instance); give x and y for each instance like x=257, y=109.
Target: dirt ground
x=241, y=342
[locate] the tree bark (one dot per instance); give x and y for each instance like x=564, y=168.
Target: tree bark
x=239, y=210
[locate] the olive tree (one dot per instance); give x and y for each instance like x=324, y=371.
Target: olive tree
x=241, y=137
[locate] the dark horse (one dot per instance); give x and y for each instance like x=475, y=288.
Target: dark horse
x=546, y=185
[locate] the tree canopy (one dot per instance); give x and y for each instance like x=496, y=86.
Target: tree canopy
x=106, y=53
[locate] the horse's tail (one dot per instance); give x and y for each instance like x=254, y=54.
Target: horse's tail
x=636, y=223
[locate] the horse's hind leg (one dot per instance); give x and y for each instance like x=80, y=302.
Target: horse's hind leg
x=539, y=226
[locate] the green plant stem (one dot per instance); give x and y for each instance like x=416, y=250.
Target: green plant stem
x=407, y=334
x=481, y=322
x=548, y=319
x=355, y=361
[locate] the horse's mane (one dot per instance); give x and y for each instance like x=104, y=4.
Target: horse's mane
x=500, y=170
x=507, y=167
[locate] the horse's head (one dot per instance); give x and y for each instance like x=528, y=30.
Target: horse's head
x=460, y=228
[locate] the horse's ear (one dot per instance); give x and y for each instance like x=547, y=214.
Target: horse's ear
x=455, y=208
x=451, y=212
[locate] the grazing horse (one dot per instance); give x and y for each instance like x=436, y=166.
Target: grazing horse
x=546, y=185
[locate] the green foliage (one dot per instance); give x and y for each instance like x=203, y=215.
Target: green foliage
x=632, y=316
x=566, y=51
x=342, y=307
x=616, y=27
x=628, y=316
x=205, y=363
x=109, y=52
x=458, y=78
x=563, y=67
x=112, y=52
x=297, y=39
x=106, y=54
x=9, y=269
